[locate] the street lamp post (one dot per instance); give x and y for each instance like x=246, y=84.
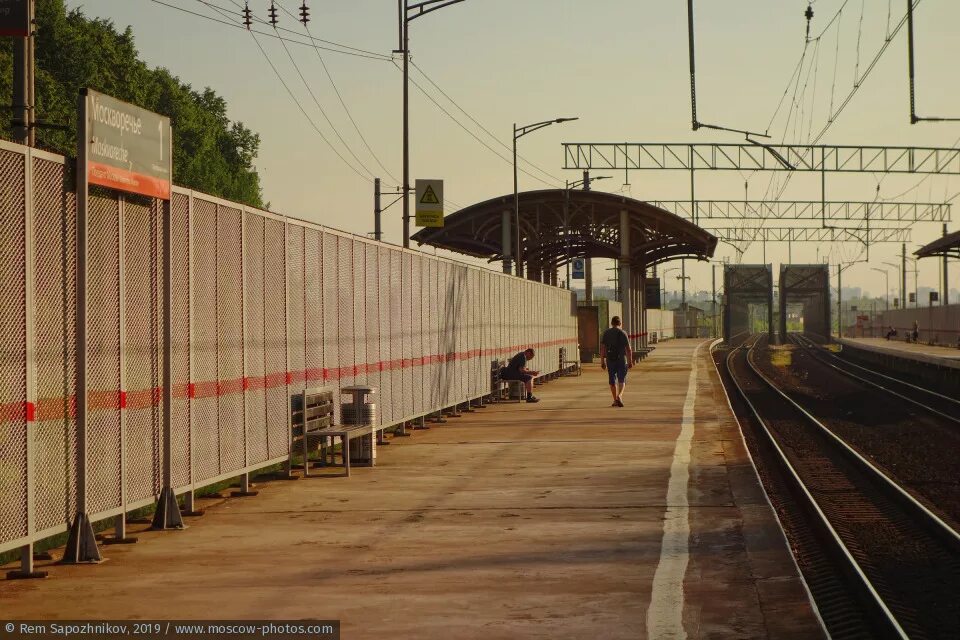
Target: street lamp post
x=899, y=279
x=519, y=132
x=406, y=17
x=566, y=211
x=886, y=275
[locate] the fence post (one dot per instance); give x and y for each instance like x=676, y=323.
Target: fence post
x=26, y=551
x=167, y=514
x=81, y=543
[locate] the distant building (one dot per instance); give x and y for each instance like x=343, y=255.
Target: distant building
x=690, y=322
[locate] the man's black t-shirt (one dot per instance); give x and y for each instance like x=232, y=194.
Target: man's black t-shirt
x=616, y=342
x=517, y=363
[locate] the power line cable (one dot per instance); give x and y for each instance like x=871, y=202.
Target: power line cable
x=323, y=112
x=343, y=103
x=312, y=39
x=476, y=122
x=304, y=111
x=859, y=82
x=374, y=56
x=469, y=132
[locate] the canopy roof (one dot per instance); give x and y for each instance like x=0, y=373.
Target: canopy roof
x=948, y=245
x=558, y=225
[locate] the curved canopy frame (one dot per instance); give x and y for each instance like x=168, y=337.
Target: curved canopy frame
x=558, y=225
x=946, y=247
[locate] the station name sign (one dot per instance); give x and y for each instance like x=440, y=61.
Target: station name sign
x=127, y=148
x=14, y=18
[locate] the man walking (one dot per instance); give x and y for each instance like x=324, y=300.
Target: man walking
x=517, y=370
x=616, y=357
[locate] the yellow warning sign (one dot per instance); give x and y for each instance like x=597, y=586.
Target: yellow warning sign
x=429, y=195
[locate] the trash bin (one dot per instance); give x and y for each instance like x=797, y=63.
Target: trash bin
x=360, y=410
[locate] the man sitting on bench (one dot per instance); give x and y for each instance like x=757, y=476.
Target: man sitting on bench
x=517, y=370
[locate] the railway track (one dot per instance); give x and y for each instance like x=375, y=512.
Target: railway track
x=935, y=403
x=878, y=562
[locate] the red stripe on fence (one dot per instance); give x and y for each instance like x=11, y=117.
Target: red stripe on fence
x=57, y=408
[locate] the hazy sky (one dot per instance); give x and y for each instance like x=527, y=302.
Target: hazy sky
x=621, y=66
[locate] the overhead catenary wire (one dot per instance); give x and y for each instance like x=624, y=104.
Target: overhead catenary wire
x=296, y=33
x=336, y=90
x=479, y=124
x=343, y=51
x=323, y=112
x=469, y=132
x=304, y=111
x=343, y=103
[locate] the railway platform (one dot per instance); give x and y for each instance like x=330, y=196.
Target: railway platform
x=563, y=519
x=930, y=354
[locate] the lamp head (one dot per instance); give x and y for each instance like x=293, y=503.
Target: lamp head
x=559, y=120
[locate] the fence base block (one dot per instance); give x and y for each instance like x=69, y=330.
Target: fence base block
x=167, y=516
x=81, y=543
x=25, y=575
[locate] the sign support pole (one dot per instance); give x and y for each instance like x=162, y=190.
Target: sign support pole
x=167, y=513
x=81, y=543
x=23, y=73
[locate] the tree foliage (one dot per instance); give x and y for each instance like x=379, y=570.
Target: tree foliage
x=210, y=154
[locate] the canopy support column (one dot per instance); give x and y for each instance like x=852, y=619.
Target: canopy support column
x=626, y=295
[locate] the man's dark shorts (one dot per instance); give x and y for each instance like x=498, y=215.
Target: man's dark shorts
x=506, y=374
x=617, y=371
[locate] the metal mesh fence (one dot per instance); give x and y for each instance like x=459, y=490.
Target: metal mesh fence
x=13, y=342
x=331, y=285
x=103, y=354
x=142, y=345
x=413, y=349
x=295, y=317
x=181, y=450
x=203, y=335
x=275, y=338
x=55, y=266
x=253, y=331
x=400, y=406
x=385, y=338
x=261, y=307
x=372, y=329
x=313, y=307
x=230, y=379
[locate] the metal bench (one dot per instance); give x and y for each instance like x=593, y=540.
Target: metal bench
x=569, y=367
x=314, y=430
x=498, y=385
x=641, y=353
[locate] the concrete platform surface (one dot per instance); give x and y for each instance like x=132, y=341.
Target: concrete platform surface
x=926, y=353
x=563, y=519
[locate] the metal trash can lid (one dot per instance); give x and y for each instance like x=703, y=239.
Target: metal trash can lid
x=358, y=388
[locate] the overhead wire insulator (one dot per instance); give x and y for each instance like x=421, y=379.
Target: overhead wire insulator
x=273, y=14
x=809, y=15
x=247, y=16
x=304, y=13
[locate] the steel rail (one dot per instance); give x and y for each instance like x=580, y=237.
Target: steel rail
x=871, y=594
x=884, y=479
x=811, y=347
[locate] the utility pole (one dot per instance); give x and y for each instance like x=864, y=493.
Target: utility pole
x=419, y=9
x=839, y=300
x=945, y=298
x=713, y=307
x=683, y=283
x=903, y=275
x=377, y=231
x=24, y=102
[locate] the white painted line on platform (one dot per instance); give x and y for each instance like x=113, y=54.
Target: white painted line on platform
x=665, y=615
